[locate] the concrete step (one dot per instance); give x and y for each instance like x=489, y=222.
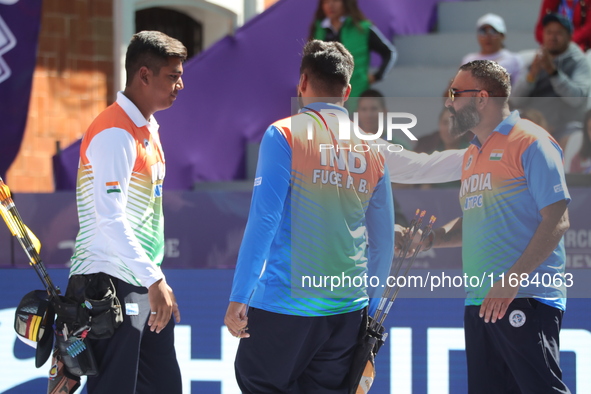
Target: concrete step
x=461, y=16
x=428, y=80
x=417, y=81
x=448, y=49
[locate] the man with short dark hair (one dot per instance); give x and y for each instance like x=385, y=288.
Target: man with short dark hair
x=119, y=195
x=316, y=212
x=514, y=201
x=561, y=70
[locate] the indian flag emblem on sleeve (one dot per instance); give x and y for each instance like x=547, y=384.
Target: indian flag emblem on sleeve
x=496, y=154
x=113, y=187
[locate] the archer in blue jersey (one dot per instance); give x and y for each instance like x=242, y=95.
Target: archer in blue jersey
x=320, y=208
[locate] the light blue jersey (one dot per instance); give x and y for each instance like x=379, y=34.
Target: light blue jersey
x=315, y=213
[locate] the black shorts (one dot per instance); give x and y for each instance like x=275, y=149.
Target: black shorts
x=520, y=353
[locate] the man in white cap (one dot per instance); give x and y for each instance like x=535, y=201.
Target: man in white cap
x=490, y=32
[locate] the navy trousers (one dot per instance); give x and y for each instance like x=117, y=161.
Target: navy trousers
x=296, y=354
x=136, y=360
x=519, y=354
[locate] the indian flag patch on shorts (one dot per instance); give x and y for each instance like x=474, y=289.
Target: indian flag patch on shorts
x=113, y=187
x=496, y=154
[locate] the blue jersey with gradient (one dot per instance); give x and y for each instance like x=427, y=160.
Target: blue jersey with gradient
x=505, y=183
x=319, y=209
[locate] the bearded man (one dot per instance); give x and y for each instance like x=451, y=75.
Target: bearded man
x=514, y=202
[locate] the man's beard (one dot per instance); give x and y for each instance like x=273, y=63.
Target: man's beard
x=464, y=119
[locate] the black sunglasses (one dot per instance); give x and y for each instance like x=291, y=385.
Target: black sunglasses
x=453, y=92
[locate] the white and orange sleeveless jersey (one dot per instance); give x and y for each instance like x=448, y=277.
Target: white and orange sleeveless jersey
x=119, y=197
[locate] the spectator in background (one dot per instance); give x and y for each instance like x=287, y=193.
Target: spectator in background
x=442, y=139
x=343, y=21
x=561, y=70
x=535, y=116
x=490, y=33
x=573, y=129
x=371, y=106
x=577, y=154
x=577, y=11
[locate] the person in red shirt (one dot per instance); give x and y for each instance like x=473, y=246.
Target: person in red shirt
x=579, y=13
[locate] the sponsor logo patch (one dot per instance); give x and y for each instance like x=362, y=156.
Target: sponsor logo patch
x=517, y=318
x=158, y=191
x=53, y=371
x=558, y=188
x=132, y=309
x=147, y=146
x=469, y=162
x=258, y=181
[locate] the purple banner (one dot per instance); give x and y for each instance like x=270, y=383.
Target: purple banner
x=19, y=33
x=65, y=167
x=400, y=18
x=204, y=229
x=243, y=83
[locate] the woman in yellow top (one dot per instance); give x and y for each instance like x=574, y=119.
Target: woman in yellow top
x=343, y=21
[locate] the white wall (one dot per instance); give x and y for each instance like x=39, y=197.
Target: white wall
x=218, y=18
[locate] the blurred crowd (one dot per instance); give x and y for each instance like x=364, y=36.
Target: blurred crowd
x=550, y=84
